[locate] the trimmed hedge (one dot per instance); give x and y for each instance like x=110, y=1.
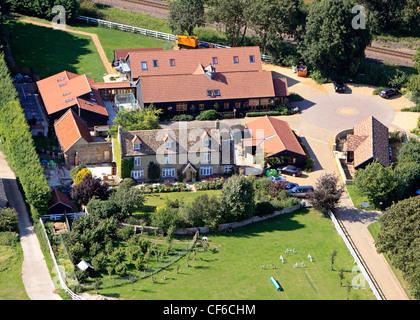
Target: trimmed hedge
x=18, y=146
x=264, y=113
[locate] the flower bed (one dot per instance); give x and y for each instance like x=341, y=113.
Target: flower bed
x=165, y=187
x=210, y=184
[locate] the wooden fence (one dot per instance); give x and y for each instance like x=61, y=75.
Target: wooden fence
x=150, y=33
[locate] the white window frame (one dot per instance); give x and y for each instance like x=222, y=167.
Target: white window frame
x=168, y=159
x=207, y=143
x=227, y=169
x=168, y=145
x=206, y=170
x=137, y=173
x=168, y=172
x=206, y=157
x=137, y=161
x=137, y=146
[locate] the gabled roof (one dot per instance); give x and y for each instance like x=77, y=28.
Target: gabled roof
x=274, y=135
x=61, y=90
x=59, y=197
x=186, y=61
x=66, y=89
x=193, y=87
x=70, y=128
x=370, y=140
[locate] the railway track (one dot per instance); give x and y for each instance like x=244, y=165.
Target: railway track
x=153, y=4
x=391, y=52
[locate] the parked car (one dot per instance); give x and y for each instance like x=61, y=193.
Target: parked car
x=388, y=92
x=339, y=86
x=301, y=191
x=277, y=178
x=291, y=185
x=291, y=170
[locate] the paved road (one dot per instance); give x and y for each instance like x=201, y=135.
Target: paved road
x=35, y=274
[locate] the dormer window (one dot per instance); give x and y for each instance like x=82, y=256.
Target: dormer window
x=137, y=146
x=155, y=64
x=252, y=58
x=172, y=62
x=207, y=143
x=235, y=59
x=143, y=65
x=168, y=145
x=216, y=92
x=214, y=59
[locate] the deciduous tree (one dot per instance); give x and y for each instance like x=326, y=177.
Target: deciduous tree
x=327, y=192
x=185, y=15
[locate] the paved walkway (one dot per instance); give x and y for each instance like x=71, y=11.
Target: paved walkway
x=35, y=274
x=94, y=37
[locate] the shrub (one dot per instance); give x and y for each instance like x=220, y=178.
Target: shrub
x=182, y=117
x=8, y=219
x=207, y=115
x=81, y=174
x=377, y=90
x=264, y=113
x=264, y=208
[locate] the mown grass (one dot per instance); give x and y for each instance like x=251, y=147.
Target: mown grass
x=11, y=259
x=232, y=268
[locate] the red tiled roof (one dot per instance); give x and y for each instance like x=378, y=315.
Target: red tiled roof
x=59, y=197
x=111, y=85
x=61, y=90
x=280, y=87
x=193, y=87
x=186, y=61
x=277, y=134
x=373, y=142
x=122, y=53
x=70, y=128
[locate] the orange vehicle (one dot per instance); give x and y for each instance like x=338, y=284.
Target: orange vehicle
x=187, y=42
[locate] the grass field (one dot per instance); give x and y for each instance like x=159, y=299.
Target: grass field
x=50, y=51
x=11, y=258
x=233, y=269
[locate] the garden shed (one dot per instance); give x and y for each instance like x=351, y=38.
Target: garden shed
x=85, y=266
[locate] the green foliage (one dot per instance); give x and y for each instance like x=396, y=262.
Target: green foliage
x=104, y=209
x=264, y=113
x=127, y=166
x=327, y=193
x=153, y=171
x=81, y=174
x=207, y=115
x=377, y=183
x=237, y=199
x=8, y=219
x=399, y=239
x=17, y=144
x=182, y=117
x=330, y=44
x=127, y=198
x=203, y=211
x=43, y=8
x=185, y=15
x=166, y=217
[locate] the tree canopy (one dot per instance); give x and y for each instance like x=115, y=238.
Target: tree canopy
x=331, y=45
x=399, y=238
x=185, y=15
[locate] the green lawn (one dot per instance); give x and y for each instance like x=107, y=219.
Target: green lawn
x=358, y=199
x=11, y=258
x=50, y=51
x=233, y=269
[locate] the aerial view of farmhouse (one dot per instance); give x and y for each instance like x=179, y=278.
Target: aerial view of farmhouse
x=210, y=150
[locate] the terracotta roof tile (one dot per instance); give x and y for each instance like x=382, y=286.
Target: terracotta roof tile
x=59, y=197
x=193, y=87
x=122, y=53
x=70, y=128
x=186, y=61
x=278, y=134
x=375, y=145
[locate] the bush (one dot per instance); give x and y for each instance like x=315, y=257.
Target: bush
x=81, y=174
x=264, y=208
x=207, y=115
x=264, y=113
x=8, y=219
x=377, y=90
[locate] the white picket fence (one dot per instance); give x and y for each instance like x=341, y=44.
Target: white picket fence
x=149, y=33
x=57, y=269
